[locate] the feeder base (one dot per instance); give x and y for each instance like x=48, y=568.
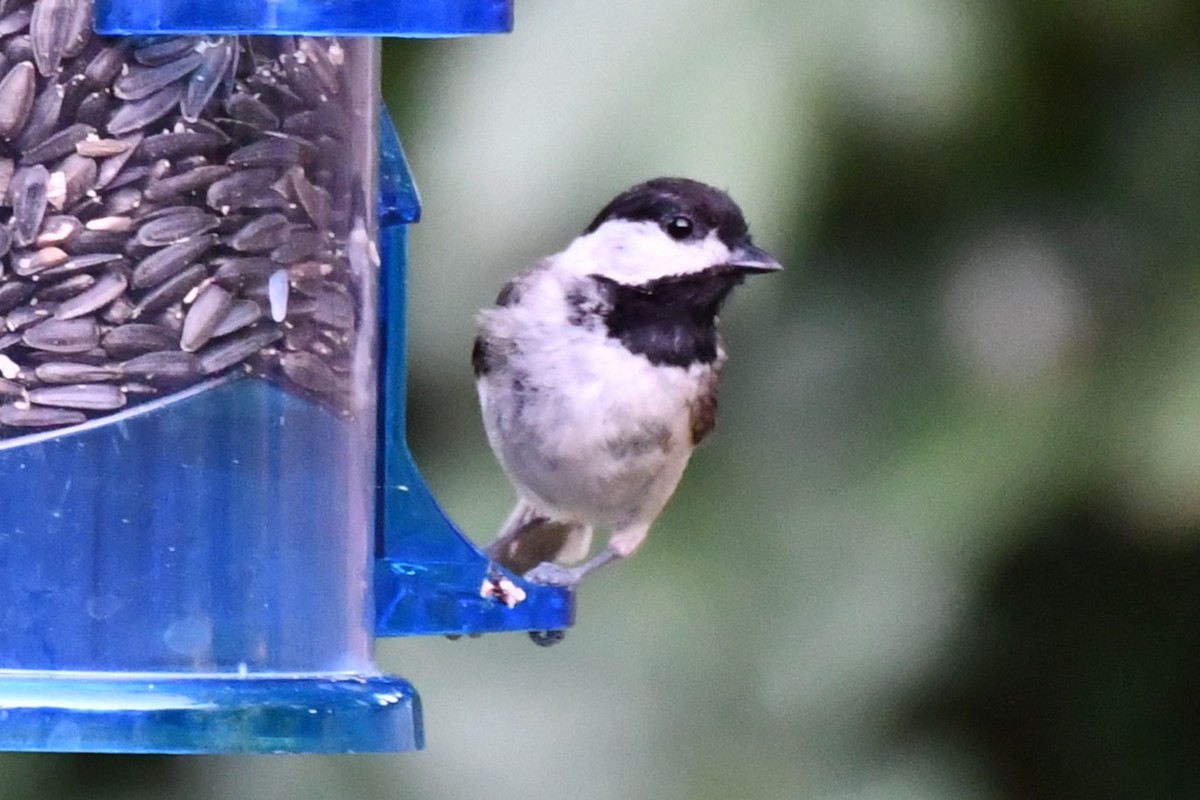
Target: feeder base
x=173, y=713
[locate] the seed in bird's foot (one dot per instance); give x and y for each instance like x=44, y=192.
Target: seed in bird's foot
x=501, y=589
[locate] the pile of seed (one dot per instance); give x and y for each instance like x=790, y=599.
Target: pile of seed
x=172, y=209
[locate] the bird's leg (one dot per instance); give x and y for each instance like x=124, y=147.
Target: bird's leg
x=623, y=543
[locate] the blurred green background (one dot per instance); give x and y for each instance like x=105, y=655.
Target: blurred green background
x=945, y=542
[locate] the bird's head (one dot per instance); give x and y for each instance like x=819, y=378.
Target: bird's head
x=668, y=228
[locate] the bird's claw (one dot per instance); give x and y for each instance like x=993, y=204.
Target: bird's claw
x=548, y=574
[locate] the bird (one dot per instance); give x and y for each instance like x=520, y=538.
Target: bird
x=597, y=372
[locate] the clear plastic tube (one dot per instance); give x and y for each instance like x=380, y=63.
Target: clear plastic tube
x=188, y=399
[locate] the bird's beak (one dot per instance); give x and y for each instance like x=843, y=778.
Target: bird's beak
x=748, y=258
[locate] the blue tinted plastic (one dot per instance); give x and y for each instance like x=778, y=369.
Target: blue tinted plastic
x=415, y=18
x=208, y=555
x=429, y=575
x=236, y=563
x=213, y=616
x=179, y=714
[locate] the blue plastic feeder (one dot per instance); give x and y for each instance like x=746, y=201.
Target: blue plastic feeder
x=205, y=568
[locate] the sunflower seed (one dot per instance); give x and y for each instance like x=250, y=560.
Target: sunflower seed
x=278, y=94
x=182, y=223
x=247, y=108
x=273, y=151
x=314, y=54
x=80, y=32
x=264, y=233
x=16, y=98
x=79, y=263
x=51, y=28
x=202, y=319
x=43, y=117
x=18, y=48
x=134, y=339
x=91, y=242
x=95, y=147
x=171, y=290
x=13, y=293
x=239, y=272
x=93, y=110
x=111, y=167
x=177, y=144
x=94, y=357
x=117, y=224
x=231, y=350
x=299, y=245
x=106, y=65
x=10, y=388
x=66, y=289
x=83, y=396
x=38, y=417
x=72, y=372
x=28, y=188
x=31, y=262
x=163, y=364
x=311, y=122
x=75, y=88
x=21, y=318
x=57, y=229
x=334, y=309
x=119, y=311
x=108, y=288
x=170, y=319
x=302, y=78
x=197, y=178
x=306, y=370
x=216, y=58
x=16, y=21
x=240, y=315
x=138, y=114
x=63, y=336
x=78, y=174
x=58, y=145
x=314, y=200
x=170, y=260
x=160, y=50
x=139, y=82
x=233, y=192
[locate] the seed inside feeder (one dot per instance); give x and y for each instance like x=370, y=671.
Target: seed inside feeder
x=175, y=206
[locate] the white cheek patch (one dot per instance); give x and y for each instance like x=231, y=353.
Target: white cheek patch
x=637, y=252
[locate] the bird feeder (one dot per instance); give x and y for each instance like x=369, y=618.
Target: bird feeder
x=208, y=508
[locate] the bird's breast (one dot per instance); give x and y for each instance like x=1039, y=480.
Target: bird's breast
x=582, y=423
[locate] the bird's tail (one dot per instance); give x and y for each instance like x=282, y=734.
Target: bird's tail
x=529, y=538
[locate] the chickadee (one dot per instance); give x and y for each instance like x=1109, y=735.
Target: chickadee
x=597, y=372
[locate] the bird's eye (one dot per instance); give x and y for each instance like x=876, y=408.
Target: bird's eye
x=679, y=228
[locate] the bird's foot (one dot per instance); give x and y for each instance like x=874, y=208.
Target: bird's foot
x=549, y=574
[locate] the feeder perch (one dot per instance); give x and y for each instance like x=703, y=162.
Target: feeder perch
x=208, y=508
